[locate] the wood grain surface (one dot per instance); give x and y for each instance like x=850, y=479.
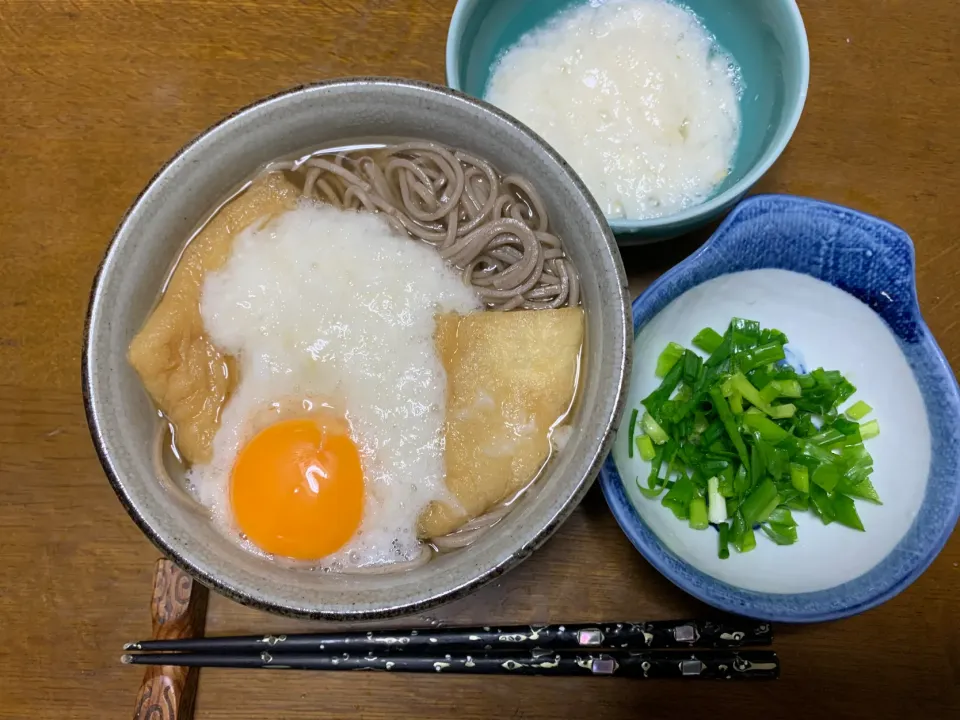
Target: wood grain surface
x=96, y=94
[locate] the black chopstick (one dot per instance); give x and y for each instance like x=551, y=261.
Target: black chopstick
x=650, y=664
x=734, y=633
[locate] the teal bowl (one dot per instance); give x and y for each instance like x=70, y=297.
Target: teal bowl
x=765, y=37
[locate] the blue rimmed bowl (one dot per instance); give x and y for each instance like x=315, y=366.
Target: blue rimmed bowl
x=767, y=39
x=840, y=284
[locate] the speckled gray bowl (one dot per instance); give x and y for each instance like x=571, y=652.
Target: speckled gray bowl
x=123, y=421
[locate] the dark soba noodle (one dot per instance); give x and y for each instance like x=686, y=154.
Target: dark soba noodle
x=492, y=228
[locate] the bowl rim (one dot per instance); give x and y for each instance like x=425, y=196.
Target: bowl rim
x=713, y=205
x=258, y=600
x=719, y=593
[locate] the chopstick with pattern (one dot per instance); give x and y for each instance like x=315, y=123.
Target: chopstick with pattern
x=734, y=633
x=649, y=664
x=615, y=636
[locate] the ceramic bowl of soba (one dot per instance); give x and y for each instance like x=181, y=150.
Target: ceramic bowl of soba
x=357, y=349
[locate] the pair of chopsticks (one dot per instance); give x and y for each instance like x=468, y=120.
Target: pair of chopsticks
x=663, y=649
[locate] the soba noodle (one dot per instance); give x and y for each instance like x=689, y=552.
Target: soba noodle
x=492, y=228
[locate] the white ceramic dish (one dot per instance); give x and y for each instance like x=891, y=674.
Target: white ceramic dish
x=827, y=328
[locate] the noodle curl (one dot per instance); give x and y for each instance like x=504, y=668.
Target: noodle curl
x=493, y=229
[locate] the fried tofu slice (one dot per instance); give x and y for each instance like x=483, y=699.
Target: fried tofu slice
x=186, y=375
x=510, y=377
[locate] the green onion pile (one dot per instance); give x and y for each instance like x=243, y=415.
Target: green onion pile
x=740, y=440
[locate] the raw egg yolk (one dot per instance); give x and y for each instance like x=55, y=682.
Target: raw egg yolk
x=297, y=489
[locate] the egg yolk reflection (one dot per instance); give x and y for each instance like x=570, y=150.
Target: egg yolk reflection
x=297, y=489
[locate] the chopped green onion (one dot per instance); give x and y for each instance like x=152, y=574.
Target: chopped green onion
x=668, y=358
x=729, y=424
x=724, y=541
x=654, y=401
x=781, y=388
x=758, y=505
x=789, y=388
x=822, y=504
x=692, y=366
x=757, y=465
x=713, y=433
x=722, y=354
x=769, y=392
x=777, y=460
x=798, y=502
x=656, y=465
x=744, y=334
x=740, y=383
x=652, y=428
x=741, y=481
x=828, y=437
x=761, y=356
x=708, y=340
x=700, y=423
x=858, y=410
x=782, y=516
x=746, y=542
x=869, y=430
x=814, y=452
x=780, y=534
x=736, y=403
x=632, y=429
x=655, y=484
x=845, y=512
x=768, y=430
x=717, y=504
x=781, y=412
x=741, y=534
x=800, y=478
x=771, y=335
x=647, y=492
x=679, y=497
x=726, y=453
x=863, y=490
x=823, y=391
x=826, y=476
x=698, y=514
x=725, y=482
x=645, y=447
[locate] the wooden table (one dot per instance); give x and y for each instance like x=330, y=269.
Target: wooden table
x=96, y=94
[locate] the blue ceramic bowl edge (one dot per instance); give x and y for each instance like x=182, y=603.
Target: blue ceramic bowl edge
x=696, y=215
x=629, y=519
